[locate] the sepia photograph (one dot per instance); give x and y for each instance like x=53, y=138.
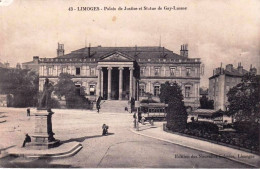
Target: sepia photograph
x=129, y=84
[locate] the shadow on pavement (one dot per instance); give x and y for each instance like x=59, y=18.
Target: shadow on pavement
x=1, y=149
x=81, y=139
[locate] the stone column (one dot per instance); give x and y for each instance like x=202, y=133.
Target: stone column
x=120, y=82
x=99, y=82
x=109, y=83
x=131, y=82
x=102, y=83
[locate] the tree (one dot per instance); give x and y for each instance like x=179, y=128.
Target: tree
x=244, y=99
x=176, y=117
x=65, y=86
x=170, y=92
x=205, y=103
x=21, y=84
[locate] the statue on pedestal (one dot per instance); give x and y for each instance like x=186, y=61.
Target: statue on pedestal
x=43, y=135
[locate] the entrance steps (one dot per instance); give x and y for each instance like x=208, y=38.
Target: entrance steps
x=113, y=106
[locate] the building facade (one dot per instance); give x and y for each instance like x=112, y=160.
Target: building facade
x=32, y=65
x=119, y=73
x=222, y=81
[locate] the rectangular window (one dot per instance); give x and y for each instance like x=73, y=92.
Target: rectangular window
x=77, y=71
x=188, y=72
x=156, y=71
x=50, y=71
x=92, y=90
x=172, y=71
x=142, y=71
x=64, y=70
x=227, y=89
x=92, y=71
x=156, y=90
x=187, y=91
x=142, y=90
x=227, y=79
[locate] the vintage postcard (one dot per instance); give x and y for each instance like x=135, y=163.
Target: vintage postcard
x=129, y=84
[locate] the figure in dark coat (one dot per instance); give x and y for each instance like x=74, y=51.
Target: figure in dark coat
x=105, y=129
x=26, y=140
x=98, y=103
x=28, y=112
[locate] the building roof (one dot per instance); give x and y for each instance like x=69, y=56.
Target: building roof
x=234, y=72
x=207, y=112
x=31, y=62
x=135, y=52
x=2, y=65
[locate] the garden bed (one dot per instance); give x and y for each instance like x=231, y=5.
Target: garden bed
x=221, y=139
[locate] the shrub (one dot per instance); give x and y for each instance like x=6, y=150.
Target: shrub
x=78, y=102
x=247, y=127
x=149, y=101
x=176, y=116
x=203, y=126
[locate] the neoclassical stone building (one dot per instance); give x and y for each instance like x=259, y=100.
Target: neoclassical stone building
x=118, y=73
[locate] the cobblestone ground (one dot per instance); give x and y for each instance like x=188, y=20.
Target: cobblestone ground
x=121, y=148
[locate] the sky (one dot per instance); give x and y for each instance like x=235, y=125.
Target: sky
x=223, y=31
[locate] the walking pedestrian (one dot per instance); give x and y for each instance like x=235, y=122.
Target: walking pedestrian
x=98, y=103
x=28, y=111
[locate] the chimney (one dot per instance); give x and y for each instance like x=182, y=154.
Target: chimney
x=36, y=59
x=60, y=50
x=253, y=71
x=135, y=50
x=89, y=50
x=163, y=52
x=229, y=67
x=240, y=68
x=184, y=50
x=7, y=65
x=18, y=66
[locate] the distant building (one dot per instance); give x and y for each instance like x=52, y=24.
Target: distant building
x=222, y=81
x=119, y=73
x=32, y=65
x=4, y=65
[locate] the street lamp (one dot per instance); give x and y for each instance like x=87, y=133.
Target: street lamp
x=137, y=105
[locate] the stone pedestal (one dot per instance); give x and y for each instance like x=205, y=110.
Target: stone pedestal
x=43, y=136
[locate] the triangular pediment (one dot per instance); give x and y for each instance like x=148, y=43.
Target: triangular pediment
x=115, y=57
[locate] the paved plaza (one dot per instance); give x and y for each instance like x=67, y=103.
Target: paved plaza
x=121, y=148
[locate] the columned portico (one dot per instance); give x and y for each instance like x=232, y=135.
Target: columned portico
x=115, y=76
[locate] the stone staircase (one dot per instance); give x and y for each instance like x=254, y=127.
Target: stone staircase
x=114, y=106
